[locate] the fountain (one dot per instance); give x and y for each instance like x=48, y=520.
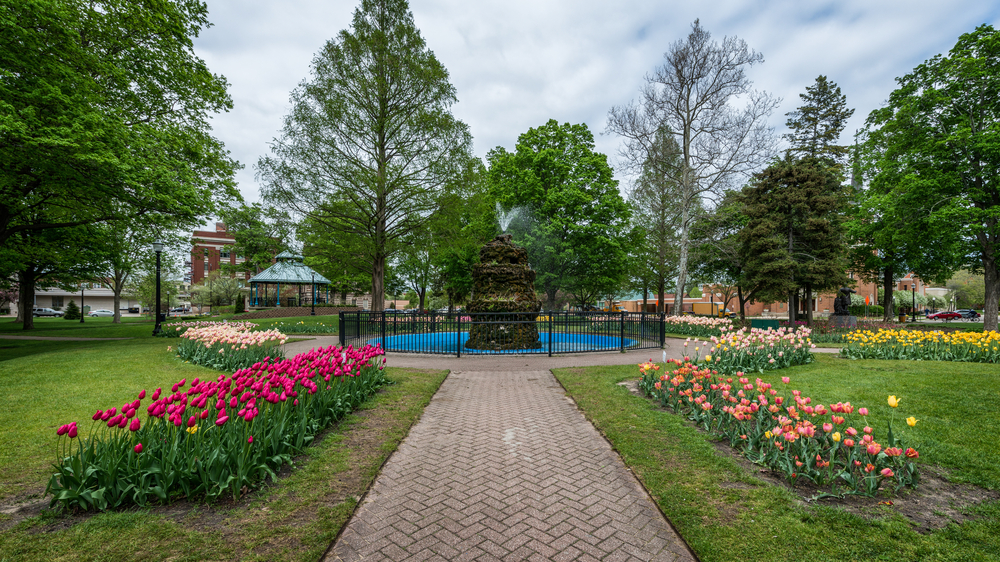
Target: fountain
x=504, y=304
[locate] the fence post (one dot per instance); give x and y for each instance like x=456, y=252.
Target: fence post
x=340, y=328
x=382, y=330
x=621, y=332
x=458, y=337
x=549, y=316
x=663, y=330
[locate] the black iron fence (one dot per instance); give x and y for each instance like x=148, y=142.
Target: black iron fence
x=551, y=333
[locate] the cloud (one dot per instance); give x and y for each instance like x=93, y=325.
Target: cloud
x=518, y=63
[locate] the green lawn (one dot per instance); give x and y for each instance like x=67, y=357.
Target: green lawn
x=49, y=383
x=725, y=513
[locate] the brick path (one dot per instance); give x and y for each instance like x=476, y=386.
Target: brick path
x=502, y=466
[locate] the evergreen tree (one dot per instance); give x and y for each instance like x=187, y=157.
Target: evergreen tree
x=72, y=311
x=816, y=125
x=794, y=237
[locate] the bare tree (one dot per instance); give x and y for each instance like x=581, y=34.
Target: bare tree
x=693, y=95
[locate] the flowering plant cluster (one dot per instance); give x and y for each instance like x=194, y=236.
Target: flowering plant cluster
x=824, y=331
x=756, y=349
x=975, y=347
x=697, y=326
x=788, y=434
x=303, y=328
x=213, y=437
x=227, y=346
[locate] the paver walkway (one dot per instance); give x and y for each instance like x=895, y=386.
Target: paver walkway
x=502, y=466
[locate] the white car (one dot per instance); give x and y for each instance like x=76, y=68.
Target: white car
x=38, y=311
x=100, y=312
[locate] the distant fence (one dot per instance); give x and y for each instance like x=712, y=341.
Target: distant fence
x=289, y=311
x=503, y=333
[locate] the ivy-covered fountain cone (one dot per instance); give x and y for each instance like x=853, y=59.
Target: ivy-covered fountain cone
x=504, y=304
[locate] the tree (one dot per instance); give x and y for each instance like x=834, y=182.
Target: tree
x=967, y=289
x=692, y=95
x=793, y=238
x=934, y=145
x=576, y=220
x=72, y=312
x=370, y=139
x=259, y=234
x=816, y=125
x=104, y=115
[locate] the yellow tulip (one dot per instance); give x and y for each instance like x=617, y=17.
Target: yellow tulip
x=708, y=358
x=836, y=436
x=893, y=401
x=911, y=421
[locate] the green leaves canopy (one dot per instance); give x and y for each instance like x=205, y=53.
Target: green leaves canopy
x=935, y=150
x=578, y=236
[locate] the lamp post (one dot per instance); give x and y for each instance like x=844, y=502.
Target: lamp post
x=81, y=304
x=913, y=303
x=313, y=292
x=158, y=248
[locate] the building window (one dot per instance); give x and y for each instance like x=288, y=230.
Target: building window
x=904, y=287
x=57, y=302
x=223, y=253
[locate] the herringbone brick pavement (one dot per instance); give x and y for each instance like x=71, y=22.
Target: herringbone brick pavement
x=502, y=466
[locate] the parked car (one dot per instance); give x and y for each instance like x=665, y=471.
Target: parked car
x=45, y=312
x=100, y=312
x=968, y=314
x=944, y=316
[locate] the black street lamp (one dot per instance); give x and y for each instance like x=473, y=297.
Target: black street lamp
x=313, y=291
x=157, y=247
x=913, y=304
x=81, y=304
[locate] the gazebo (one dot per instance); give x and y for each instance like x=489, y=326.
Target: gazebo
x=288, y=269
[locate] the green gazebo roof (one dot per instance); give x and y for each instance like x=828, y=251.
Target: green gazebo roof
x=289, y=269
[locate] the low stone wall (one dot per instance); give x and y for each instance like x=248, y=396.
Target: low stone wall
x=285, y=312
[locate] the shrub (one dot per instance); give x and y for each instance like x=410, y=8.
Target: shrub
x=227, y=346
x=72, y=311
x=923, y=345
x=214, y=438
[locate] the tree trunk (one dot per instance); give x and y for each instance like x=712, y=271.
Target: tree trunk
x=661, y=295
x=378, y=282
x=550, y=295
x=809, y=305
x=992, y=297
x=887, y=287
x=645, y=297
x=26, y=298
x=739, y=296
x=683, y=261
x=793, y=307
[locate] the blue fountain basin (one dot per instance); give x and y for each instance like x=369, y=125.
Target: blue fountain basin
x=448, y=342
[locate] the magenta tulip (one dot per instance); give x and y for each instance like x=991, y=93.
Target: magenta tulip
x=134, y=426
x=72, y=431
x=138, y=448
x=62, y=430
x=250, y=440
x=97, y=415
x=192, y=421
x=221, y=420
x=142, y=394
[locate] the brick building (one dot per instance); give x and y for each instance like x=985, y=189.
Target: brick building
x=210, y=250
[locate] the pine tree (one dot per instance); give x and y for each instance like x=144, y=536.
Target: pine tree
x=72, y=311
x=816, y=126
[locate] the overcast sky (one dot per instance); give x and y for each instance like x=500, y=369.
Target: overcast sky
x=518, y=63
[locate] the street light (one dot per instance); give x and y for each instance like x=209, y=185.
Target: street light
x=913, y=304
x=157, y=247
x=313, y=291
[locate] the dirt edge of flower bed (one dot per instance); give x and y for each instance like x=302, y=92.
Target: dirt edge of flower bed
x=933, y=505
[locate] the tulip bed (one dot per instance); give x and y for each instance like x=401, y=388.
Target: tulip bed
x=227, y=346
x=787, y=434
x=697, y=326
x=757, y=350
x=974, y=347
x=213, y=438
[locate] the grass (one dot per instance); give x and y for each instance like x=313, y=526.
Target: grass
x=49, y=383
x=300, y=324
x=725, y=513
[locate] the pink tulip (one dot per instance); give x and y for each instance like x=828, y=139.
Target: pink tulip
x=868, y=430
x=138, y=448
x=142, y=394
x=97, y=415
x=887, y=472
x=233, y=402
x=123, y=422
x=785, y=380
x=72, y=431
x=848, y=443
x=874, y=448
x=250, y=439
x=192, y=421
x=827, y=427
x=851, y=431
x=221, y=420
x=134, y=426
x=863, y=411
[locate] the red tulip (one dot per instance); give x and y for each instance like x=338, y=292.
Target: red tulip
x=138, y=448
x=911, y=453
x=204, y=415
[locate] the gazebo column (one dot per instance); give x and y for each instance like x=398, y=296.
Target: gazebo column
x=277, y=296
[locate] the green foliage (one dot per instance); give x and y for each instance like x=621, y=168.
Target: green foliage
x=72, y=311
x=104, y=111
x=793, y=238
x=816, y=126
x=370, y=141
x=968, y=290
x=933, y=149
x=259, y=234
x=577, y=231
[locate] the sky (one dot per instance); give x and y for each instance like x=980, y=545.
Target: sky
x=518, y=63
